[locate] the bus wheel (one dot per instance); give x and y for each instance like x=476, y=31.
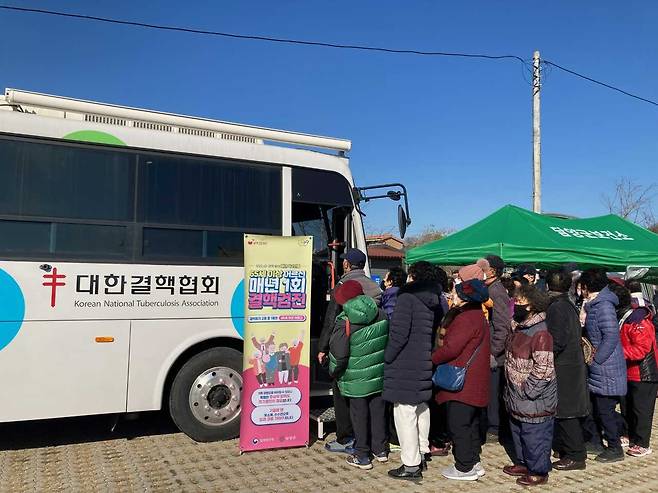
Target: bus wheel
x=204, y=401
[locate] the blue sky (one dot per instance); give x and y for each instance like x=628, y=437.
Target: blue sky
x=457, y=132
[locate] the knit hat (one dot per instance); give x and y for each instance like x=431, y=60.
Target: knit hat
x=472, y=271
x=473, y=290
x=346, y=291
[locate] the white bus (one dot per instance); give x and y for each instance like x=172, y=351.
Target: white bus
x=121, y=253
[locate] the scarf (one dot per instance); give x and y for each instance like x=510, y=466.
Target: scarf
x=529, y=322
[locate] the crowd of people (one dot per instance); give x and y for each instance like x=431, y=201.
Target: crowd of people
x=432, y=364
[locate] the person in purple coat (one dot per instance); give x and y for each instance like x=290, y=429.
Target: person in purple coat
x=607, y=371
x=393, y=281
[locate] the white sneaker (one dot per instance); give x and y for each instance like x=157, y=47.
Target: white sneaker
x=479, y=470
x=625, y=442
x=637, y=451
x=452, y=473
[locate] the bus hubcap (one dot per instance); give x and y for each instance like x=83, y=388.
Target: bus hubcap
x=215, y=396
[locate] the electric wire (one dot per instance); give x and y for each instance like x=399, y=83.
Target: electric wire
x=525, y=64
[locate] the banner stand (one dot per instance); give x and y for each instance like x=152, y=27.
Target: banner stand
x=276, y=359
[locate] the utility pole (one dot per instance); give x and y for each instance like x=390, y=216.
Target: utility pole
x=536, y=135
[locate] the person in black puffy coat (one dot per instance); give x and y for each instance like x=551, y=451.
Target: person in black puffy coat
x=408, y=365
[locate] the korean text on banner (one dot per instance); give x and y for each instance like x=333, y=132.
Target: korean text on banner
x=275, y=395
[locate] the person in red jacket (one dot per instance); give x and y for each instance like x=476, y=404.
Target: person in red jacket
x=638, y=340
x=466, y=344
x=295, y=355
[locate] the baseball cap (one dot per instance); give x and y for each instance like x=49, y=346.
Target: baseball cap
x=355, y=257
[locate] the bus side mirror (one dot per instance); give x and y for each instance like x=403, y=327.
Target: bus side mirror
x=403, y=221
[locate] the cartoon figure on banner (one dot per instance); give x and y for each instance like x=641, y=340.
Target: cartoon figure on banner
x=295, y=355
x=283, y=363
x=270, y=363
x=259, y=368
x=262, y=344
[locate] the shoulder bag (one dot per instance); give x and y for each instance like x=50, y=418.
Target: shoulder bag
x=450, y=377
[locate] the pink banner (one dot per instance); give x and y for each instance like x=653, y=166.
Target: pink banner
x=276, y=379
x=275, y=415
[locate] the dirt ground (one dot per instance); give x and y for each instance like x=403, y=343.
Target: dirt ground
x=148, y=454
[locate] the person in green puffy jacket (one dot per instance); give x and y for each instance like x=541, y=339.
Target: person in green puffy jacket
x=356, y=361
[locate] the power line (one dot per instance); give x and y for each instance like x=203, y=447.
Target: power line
x=572, y=72
x=260, y=38
x=317, y=43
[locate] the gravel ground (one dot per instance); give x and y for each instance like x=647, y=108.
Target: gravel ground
x=82, y=454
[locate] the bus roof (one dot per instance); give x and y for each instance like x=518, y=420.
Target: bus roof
x=110, y=114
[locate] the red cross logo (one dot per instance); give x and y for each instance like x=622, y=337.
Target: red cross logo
x=53, y=284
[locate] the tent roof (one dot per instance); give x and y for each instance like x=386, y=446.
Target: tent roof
x=520, y=236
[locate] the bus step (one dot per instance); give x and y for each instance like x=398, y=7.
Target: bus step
x=322, y=416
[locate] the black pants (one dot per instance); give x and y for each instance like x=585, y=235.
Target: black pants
x=439, y=435
x=494, y=417
x=608, y=418
x=464, y=428
x=344, y=430
x=591, y=430
x=568, y=439
x=640, y=404
x=392, y=436
x=369, y=421
x=495, y=407
x=294, y=373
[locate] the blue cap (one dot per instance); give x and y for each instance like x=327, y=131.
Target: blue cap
x=355, y=257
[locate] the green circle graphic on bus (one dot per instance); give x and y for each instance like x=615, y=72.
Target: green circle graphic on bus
x=95, y=137
x=12, y=308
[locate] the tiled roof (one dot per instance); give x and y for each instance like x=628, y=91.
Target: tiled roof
x=384, y=251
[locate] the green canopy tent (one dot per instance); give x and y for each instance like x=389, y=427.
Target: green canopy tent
x=520, y=236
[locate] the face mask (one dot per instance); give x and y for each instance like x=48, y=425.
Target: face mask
x=484, y=276
x=520, y=313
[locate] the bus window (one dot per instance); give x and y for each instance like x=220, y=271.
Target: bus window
x=65, y=181
x=215, y=193
x=313, y=220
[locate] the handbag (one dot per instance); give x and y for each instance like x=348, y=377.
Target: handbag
x=450, y=377
x=586, y=346
x=588, y=350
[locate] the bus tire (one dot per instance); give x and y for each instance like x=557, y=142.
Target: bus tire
x=204, y=401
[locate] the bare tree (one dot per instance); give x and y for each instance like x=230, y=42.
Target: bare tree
x=430, y=233
x=373, y=230
x=632, y=201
